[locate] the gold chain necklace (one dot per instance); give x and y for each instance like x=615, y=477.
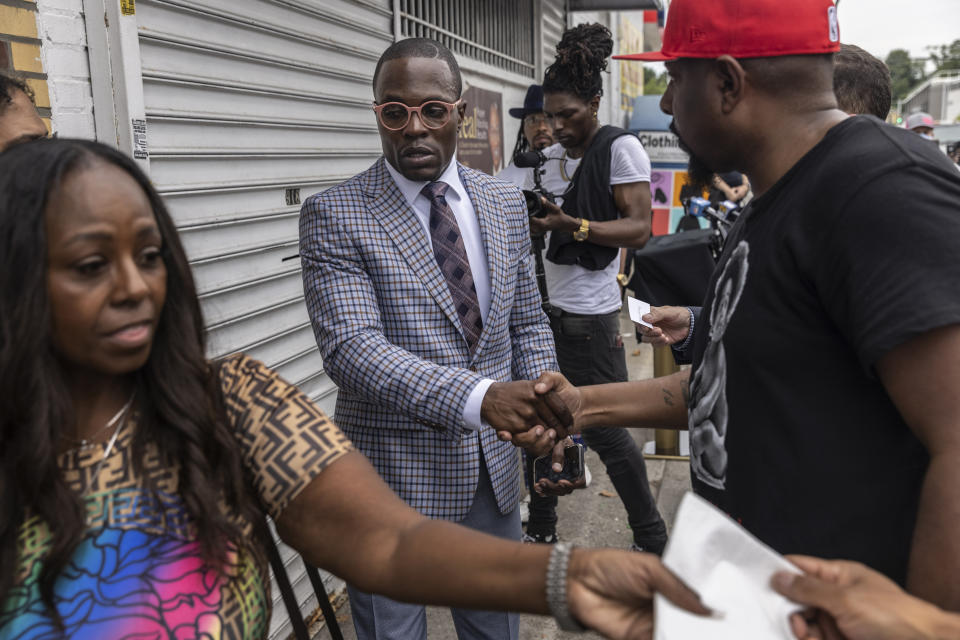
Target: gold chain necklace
x=563, y=167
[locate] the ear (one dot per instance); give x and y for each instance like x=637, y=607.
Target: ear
x=594, y=104
x=731, y=80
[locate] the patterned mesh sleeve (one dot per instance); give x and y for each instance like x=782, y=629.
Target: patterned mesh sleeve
x=285, y=438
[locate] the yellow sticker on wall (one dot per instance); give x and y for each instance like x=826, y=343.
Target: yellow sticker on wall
x=128, y=7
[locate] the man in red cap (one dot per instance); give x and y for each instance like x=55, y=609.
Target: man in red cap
x=822, y=402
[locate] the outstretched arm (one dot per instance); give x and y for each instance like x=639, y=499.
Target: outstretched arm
x=659, y=403
x=349, y=522
x=331, y=505
x=853, y=602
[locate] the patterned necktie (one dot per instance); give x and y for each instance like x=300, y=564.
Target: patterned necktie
x=453, y=262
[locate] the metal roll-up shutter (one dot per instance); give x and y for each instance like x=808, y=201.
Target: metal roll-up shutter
x=554, y=22
x=251, y=107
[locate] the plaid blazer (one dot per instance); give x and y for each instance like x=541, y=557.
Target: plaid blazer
x=390, y=338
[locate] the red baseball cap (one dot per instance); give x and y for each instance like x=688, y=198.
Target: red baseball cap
x=746, y=29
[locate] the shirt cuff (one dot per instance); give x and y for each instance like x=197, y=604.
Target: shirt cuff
x=471, y=410
x=683, y=345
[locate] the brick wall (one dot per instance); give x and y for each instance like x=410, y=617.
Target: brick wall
x=20, y=50
x=62, y=33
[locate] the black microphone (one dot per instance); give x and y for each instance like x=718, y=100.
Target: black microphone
x=529, y=159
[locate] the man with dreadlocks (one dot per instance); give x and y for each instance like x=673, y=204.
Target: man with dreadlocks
x=535, y=133
x=602, y=174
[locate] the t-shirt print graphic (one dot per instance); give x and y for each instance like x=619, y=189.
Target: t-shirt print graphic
x=709, y=414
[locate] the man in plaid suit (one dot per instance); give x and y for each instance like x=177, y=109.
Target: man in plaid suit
x=418, y=280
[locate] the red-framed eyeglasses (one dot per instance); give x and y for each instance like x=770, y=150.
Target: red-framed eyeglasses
x=434, y=114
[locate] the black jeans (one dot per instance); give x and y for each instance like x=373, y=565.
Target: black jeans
x=590, y=351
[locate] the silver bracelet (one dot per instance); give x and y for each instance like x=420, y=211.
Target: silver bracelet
x=557, y=588
x=683, y=345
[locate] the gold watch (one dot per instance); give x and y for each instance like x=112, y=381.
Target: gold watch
x=581, y=234
x=622, y=279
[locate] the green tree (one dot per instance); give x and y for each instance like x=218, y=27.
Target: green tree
x=653, y=84
x=946, y=57
x=905, y=73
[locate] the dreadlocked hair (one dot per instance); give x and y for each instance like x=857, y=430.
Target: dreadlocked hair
x=522, y=144
x=180, y=405
x=581, y=57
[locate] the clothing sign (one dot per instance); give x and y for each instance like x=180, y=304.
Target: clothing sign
x=662, y=146
x=480, y=143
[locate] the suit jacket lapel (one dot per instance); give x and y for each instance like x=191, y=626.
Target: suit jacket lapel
x=390, y=208
x=498, y=257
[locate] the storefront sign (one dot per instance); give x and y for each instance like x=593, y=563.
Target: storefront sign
x=480, y=143
x=662, y=146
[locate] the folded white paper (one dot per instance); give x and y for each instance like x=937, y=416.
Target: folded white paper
x=731, y=571
x=638, y=308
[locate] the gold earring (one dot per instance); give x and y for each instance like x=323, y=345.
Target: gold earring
x=594, y=115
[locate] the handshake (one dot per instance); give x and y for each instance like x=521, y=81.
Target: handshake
x=537, y=415
x=533, y=414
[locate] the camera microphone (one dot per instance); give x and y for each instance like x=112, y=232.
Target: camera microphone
x=529, y=159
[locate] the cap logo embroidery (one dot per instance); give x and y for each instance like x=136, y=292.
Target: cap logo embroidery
x=696, y=35
x=834, y=24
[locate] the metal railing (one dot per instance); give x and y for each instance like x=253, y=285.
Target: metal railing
x=500, y=33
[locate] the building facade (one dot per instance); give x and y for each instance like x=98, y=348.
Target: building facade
x=938, y=95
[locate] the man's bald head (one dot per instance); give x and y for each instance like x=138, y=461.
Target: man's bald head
x=792, y=78
x=736, y=113
x=421, y=48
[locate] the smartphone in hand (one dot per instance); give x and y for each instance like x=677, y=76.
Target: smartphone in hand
x=572, y=466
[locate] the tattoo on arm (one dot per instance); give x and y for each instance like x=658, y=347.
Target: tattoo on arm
x=667, y=397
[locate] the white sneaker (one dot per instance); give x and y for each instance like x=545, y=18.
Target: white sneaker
x=587, y=476
x=553, y=538
x=525, y=509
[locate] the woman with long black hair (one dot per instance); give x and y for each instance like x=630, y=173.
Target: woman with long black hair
x=602, y=177
x=135, y=474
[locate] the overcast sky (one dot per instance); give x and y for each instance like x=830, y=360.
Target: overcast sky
x=881, y=25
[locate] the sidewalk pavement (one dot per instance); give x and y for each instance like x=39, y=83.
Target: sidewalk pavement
x=591, y=517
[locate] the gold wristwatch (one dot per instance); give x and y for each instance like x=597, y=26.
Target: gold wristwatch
x=622, y=279
x=581, y=234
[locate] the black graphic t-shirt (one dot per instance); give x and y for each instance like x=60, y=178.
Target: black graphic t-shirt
x=853, y=252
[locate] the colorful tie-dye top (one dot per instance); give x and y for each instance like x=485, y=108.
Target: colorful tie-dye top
x=138, y=572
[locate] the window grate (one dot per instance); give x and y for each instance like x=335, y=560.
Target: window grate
x=496, y=32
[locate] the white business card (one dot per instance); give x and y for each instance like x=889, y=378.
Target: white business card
x=638, y=308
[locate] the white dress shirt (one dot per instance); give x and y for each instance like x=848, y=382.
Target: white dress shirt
x=459, y=202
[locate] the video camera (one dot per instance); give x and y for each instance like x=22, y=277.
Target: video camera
x=534, y=160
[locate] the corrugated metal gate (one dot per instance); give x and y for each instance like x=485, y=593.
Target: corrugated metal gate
x=553, y=21
x=251, y=107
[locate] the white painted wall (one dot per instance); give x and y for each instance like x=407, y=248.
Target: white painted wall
x=64, y=51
